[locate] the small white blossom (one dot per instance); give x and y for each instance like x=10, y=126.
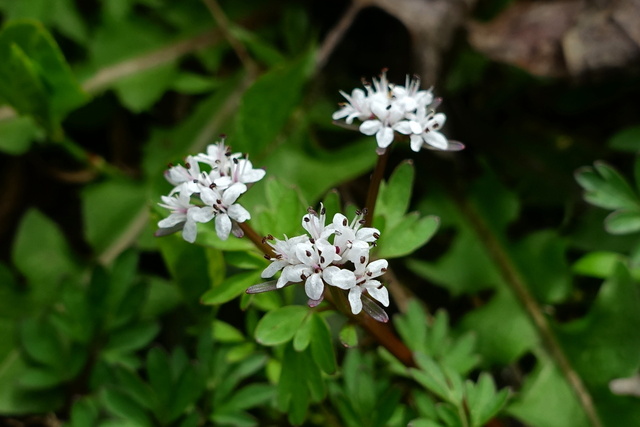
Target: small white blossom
x=317, y=261
x=183, y=216
x=365, y=282
x=208, y=195
x=386, y=109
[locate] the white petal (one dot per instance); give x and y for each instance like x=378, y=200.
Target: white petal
x=405, y=128
x=273, y=268
x=341, y=278
x=172, y=220
x=223, y=226
x=209, y=196
x=378, y=267
x=253, y=175
x=314, y=286
x=370, y=127
x=368, y=234
x=379, y=293
x=204, y=214
x=354, y=299
x=384, y=137
x=232, y=193
x=416, y=142
x=435, y=139
x=238, y=213
x=190, y=231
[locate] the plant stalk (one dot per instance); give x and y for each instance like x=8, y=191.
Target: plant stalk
x=381, y=332
x=374, y=187
x=518, y=286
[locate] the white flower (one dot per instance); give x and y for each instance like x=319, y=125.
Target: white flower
x=357, y=106
x=285, y=254
x=218, y=157
x=351, y=240
x=227, y=213
x=409, y=96
x=183, y=216
x=314, y=258
x=314, y=223
x=365, y=282
x=184, y=178
x=242, y=171
x=386, y=108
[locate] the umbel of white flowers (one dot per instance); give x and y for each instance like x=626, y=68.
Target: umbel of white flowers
x=384, y=108
x=202, y=195
x=335, y=255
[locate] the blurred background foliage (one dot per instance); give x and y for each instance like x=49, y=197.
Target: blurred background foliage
x=103, y=324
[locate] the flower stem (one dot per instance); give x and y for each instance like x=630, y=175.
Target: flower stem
x=379, y=331
x=257, y=240
x=374, y=187
x=520, y=289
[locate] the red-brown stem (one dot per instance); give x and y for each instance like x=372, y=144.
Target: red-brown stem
x=257, y=239
x=381, y=332
x=374, y=187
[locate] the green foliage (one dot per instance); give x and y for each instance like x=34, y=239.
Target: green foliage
x=606, y=188
x=401, y=233
x=36, y=79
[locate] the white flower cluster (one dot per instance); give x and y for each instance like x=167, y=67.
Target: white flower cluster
x=385, y=108
x=200, y=196
x=342, y=262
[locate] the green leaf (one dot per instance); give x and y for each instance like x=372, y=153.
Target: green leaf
x=606, y=188
x=42, y=343
x=322, y=345
x=605, y=344
x=349, y=335
x=224, y=332
x=626, y=140
x=104, y=221
x=139, y=91
x=267, y=105
x=135, y=387
x=119, y=403
x=132, y=338
x=598, y=264
x=231, y=288
x=547, y=400
x=431, y=376
x=280, y=326
x=84, y=412
x=395, y=195
x=408, y=235
x=191, y=83
x=17, y=134
x=159, y=375
x=41, y=253
x=622, y=222
x=40, y=378
x=21, y=86
x=187, y=390
x=64, y=92
x=302, y=338
x=498, y=343
x=482, y=400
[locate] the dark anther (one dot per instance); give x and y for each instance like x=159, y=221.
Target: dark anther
x=267, y=257
x=358, y=212
x=212, y=186
x=218, y=201
x=170, y=165
x=388, y=107
x=436, y=125
x=307, y=253
x=365, y=211
x=306, y=219
x=384, y=270
x=235, y=160
x=361, y=222
x=345, y=222
x=323, y=211
x=312, y=241
x=362, y=259
x=321, y=260
x=195, y=181
x=264, y=240
x=376, y=235
x=381, y=286
x=303, y=276
x=337, y=249
x=369, y=273
x=269, y=236
x=187, y=165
